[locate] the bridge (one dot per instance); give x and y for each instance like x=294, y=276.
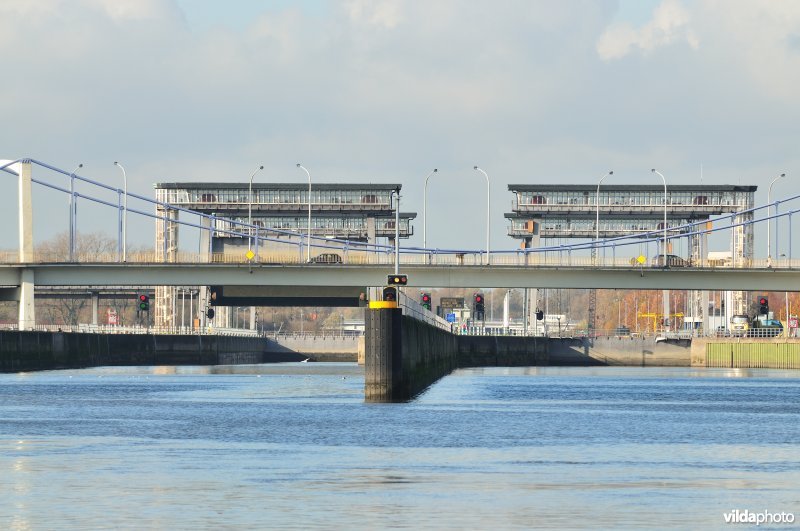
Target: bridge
x=308, y=280
x=275, y=265
x=408, y=347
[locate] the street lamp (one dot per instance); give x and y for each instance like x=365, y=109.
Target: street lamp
x=425, y=210
x=250, y=204
x=124, y=212
x=72, y=212
x=597, y=203
x=488, y=253
x=665, y=213
x=664, y=293
x=308, y=254
x=769, y=222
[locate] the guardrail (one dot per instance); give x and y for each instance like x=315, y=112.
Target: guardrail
x=157, y=330
x=414, y=309
x=532, y=260
x=181, y=330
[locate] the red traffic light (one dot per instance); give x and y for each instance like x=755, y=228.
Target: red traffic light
x=142, y=298
x=762, y=300
x=478, y=298
x=425, y=298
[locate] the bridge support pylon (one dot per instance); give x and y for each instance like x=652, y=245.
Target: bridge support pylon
x=27, y=311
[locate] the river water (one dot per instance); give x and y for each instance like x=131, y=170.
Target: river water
x=294, y=446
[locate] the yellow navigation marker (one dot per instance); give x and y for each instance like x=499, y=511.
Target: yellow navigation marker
x=250, y=254
x=641, y=259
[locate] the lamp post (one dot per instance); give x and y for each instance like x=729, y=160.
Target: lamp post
x=425, y=210
x=597, y=204
x=488, y=252
x=72, y=212
x=250, y=204
x=769, y=221
x=664, y=293
x=124, y=212
x=308, y=253
x=663, y=180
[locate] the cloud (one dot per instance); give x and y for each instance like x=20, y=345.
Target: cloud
x=382, y=13
x=670, y=24
x=532, y=91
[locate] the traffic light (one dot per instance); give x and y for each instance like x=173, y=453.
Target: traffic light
x=390, y=294
x=210, y=313
x=397, y=280
x=426, y=301
x=763, y=305
x=478, y=304
x=144, y=303
x=539, y=315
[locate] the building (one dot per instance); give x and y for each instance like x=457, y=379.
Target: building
x=553, y=211
x=279, y=212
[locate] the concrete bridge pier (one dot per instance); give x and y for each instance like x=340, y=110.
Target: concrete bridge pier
x=383, y=355
x=27, y=312
x=403, y=356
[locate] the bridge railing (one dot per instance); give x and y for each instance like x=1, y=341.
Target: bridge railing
x=608, y=251
x=267, y=257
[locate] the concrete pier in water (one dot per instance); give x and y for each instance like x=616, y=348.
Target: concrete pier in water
x=403, y=356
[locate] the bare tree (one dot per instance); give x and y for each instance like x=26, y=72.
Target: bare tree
x=68, y=310
x=86, y=244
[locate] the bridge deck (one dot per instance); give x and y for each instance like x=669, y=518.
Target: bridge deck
x=362, y=275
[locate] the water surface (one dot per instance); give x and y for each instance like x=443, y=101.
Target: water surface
x=295, y=446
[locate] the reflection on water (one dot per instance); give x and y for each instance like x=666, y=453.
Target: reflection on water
x=295, y=446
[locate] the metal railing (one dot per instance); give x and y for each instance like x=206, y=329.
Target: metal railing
x=265, y=257
x=414, y=309
x=612, y=252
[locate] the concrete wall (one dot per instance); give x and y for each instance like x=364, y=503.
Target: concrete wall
x=623, y=351
x=429, y=353
x=316, y=348
x=501, y=351
x=31, y=351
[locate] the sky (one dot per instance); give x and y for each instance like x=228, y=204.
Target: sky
x=385, y=90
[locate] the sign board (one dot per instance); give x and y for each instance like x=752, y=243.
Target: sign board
x=448, y=303
x=793, y=321
x=112, y=316
x=450, y=318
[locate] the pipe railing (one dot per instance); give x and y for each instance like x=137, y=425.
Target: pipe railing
x=266, y=236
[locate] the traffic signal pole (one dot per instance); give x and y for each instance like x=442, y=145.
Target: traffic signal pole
x=397, y=233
